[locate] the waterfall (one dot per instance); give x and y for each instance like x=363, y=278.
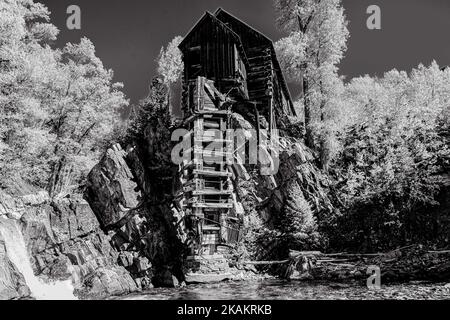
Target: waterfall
x=17, y=252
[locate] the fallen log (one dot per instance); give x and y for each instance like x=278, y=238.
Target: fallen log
x=294, y=253
x=402, y=264
x=265, y=262
x=343, y=265
x=439, y=252
x=354, y=254
x=332, y=260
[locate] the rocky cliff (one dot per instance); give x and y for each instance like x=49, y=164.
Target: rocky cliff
x=282, y=208
x=140, y=222
x=64, y=241
x=123, y=234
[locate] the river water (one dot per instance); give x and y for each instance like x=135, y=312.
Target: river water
x=271, y=289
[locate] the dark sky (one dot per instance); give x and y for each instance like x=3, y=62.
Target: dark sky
x=128, y=34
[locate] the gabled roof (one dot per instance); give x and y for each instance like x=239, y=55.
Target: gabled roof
x=221, y=14
x=208, y=17
x=219, y=18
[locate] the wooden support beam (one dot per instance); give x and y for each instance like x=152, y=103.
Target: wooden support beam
x=211, y=192
x=212, y=173
x=213, y=205
x=265, y=262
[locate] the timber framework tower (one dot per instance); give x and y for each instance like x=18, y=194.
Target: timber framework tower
x=228, y=67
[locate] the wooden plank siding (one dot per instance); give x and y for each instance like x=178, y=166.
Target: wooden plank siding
x=233, y=54
x=220, y=58
x=263, y=66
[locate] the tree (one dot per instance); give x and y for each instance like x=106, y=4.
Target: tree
x=297, y=221
x=170, y=65
x=57, y=107
x=152, y=108
x=84, y=115
x=394, y=157
x=24, y=59
x=310, y=55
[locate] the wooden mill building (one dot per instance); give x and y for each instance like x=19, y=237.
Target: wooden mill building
x=228, y=67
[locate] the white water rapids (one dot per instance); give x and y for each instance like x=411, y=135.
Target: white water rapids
x=17, y=253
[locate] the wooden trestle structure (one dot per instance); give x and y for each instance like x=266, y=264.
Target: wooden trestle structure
x=206, y=176
x=228, y=67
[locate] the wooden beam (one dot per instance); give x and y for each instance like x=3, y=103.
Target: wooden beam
x=212, y=205
x=212, y=173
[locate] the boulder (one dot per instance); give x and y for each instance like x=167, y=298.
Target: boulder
x=37, y=231
x=194, y=278
x=166, y=278
x=142, y=264
x=108, y=281
x=111, y=190
x=126, y=259
x=16, y=196
x=71, y=217
x=15, y=206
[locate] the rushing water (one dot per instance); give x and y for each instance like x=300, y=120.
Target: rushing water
x=276, y=289
x=17, y=253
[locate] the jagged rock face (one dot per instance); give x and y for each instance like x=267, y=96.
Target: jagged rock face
x=14, y=206
x=12, y=283
x=111, y=190
x=267, y=198
x=143, y=234
x=71, y=218
x=65, y=240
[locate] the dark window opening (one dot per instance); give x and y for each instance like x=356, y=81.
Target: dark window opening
x=194, y=62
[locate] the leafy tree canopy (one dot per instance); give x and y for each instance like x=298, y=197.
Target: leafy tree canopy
x=58, y=107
